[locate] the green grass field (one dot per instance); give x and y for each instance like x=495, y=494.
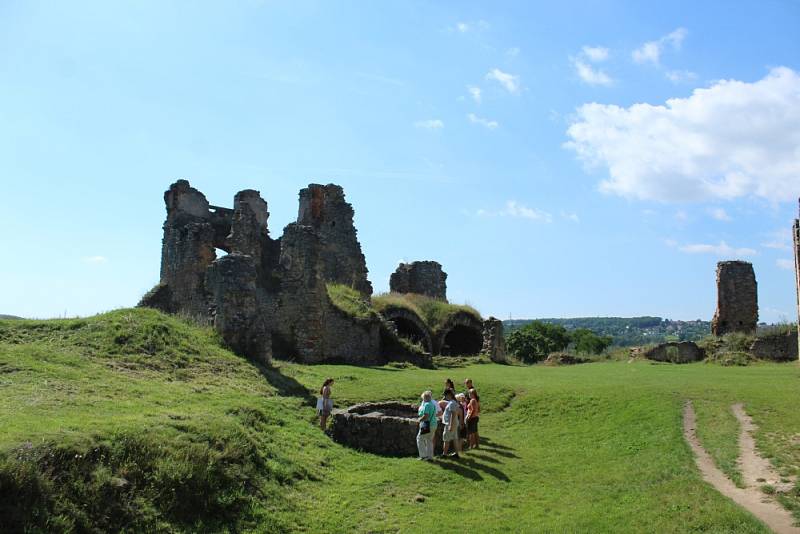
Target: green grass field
x=136, y=421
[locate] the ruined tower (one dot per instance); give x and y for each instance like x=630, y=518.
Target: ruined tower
x=796, y=240
x=421, y=277
x=737, y=299
x=324, y=208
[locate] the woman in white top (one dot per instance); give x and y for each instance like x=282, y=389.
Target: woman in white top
x=324, y=403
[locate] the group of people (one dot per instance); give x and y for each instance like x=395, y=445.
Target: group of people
x=458, y=413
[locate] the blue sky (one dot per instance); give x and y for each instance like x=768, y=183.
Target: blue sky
x=558, y=158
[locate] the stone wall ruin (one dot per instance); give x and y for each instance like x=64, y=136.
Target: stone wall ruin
x=737, y=299
x=420, y=277
x=796, y=242
x=269, y=296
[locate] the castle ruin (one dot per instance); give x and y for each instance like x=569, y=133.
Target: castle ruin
x=737, y=299
x=796, y=241
x=420, y=277
x=270, y=295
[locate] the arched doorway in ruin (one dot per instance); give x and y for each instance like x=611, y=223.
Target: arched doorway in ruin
x=409, y=326
x=461, y=335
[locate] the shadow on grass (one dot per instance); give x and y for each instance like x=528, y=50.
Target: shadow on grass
x=287, y=386
x=469, y=468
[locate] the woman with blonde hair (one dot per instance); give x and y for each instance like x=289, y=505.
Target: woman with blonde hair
x=427, y=426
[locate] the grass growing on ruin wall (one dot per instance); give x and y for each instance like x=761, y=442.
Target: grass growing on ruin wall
x=432, y=311
x=349, y=301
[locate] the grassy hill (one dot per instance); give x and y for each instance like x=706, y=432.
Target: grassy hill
x=137, y=421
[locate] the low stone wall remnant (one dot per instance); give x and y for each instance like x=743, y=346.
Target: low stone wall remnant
x=385, y=428
x=680, y=352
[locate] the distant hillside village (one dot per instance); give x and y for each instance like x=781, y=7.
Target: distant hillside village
x=628, y=331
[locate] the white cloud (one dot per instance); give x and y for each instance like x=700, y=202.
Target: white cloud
x=464, y=27
x=517, y=210
x=571, y=216
x=595, y=53
x=590, y=75
x=475, y=93
x=722, y=249
x=650, y=52
x=779, y=239
x=785, y=264
x=681, y=216
x=719, y=214
x=680, y=76
x=733, y=139
x=474, y=119
x=95, y=260
x=509, y=81
x=430, y=124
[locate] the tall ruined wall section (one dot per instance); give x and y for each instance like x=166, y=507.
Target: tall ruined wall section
x=737, y=298
x=192, y=230
x=323, y=208
x=421, y=277
x=270, y=295
x=796, y=240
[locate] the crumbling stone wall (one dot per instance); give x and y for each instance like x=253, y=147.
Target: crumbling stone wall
x=494, y=343
x=386, y=428
x=323, y=208
x=796, y=240
x=778, y=346
x=269, y=295
x=421, y=277
x=737, y=298
x=681, y=352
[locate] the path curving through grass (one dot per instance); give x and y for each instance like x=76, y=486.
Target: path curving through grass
x=754, y=468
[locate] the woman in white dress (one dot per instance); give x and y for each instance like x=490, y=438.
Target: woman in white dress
x=324, y=403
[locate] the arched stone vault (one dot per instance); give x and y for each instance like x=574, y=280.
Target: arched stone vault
x=409, y=325
x=462, y=333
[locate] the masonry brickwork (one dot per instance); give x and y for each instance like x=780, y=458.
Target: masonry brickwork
x=737, y=298
x=796, y=241
x=269, y=296
x=421, y=277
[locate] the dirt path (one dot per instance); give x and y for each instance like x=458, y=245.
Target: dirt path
x=756, y=470
x=751, y=498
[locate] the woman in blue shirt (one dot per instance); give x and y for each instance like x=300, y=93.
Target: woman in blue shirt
x=427, y=426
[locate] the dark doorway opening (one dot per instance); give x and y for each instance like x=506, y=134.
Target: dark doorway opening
x=462, y=340
x=410, y=331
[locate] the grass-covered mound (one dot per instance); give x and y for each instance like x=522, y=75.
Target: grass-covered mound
x=136, y=420
x=350, y=301
x=432, y=311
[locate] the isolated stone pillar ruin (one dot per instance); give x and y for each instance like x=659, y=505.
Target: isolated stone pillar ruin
x=796, y=239
x=737, y=299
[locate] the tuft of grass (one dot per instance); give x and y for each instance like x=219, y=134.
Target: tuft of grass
x=349, y=301
x=432, y=311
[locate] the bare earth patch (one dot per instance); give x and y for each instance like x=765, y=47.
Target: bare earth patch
x=756, y=471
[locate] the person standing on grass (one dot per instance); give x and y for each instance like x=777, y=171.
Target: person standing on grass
x=324, y=403
x=448, y=384
x=473, y=414
x=451, y=419
x=462, y=429
x=468, y=385
x=427, y=426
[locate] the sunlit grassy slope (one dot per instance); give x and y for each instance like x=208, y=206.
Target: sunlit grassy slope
x=137, y=421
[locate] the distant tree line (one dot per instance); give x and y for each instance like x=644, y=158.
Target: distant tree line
x=534, y=341
x=627, y=331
